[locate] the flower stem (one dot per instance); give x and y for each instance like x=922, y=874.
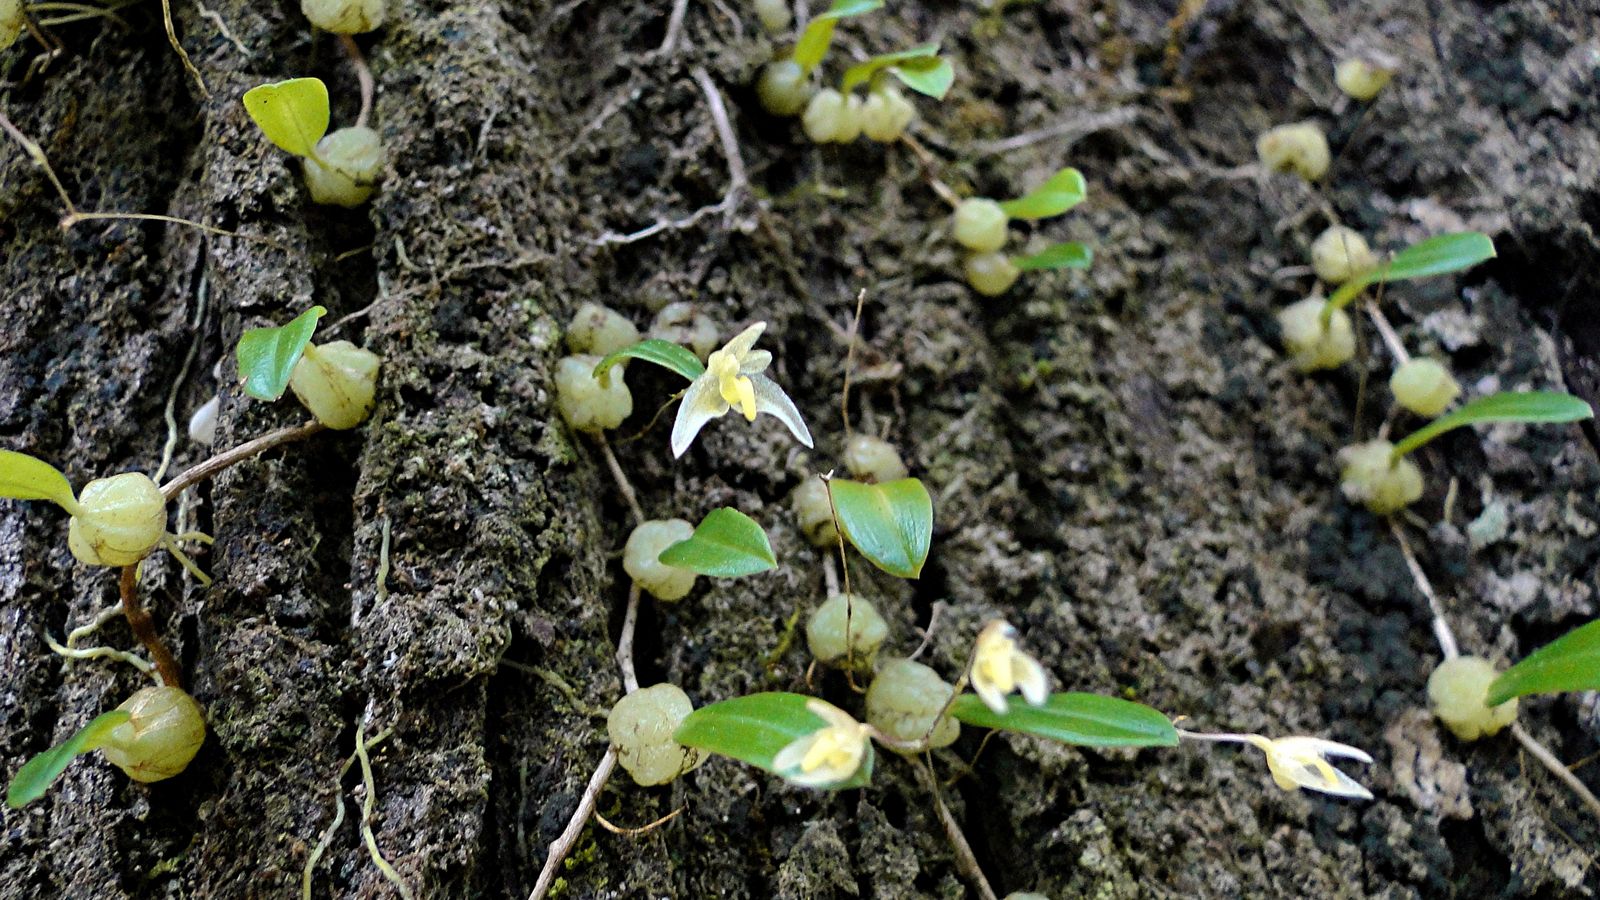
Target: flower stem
x=196, y=474
x=363, y=76
x=144, y=628
x=621, y=478
x=965, y=860
x=1556, y=767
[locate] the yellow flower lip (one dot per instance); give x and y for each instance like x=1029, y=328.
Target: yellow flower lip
x=737, y=390
x=829, y=755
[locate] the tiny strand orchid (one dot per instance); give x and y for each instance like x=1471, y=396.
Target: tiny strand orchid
x=828, y=755
x=1299, y=761
x=998, y=668
x=734, y=378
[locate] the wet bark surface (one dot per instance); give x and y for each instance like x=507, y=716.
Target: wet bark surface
x=1122, y=463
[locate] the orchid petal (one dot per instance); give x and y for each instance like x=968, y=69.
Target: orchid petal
x=744, y=340
x=992, y=697
x=701, y=403
x=771, y=400
x=1030, y=678
x=793, y=754
x=833, y=715
x=1299, y=745
x=755, y=362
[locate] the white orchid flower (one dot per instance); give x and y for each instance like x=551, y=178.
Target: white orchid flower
x=733, y=378
x=830, y=754
x=1301, y=762
x=999, y=667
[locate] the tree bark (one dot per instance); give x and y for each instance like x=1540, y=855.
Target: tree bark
x=1122, y=464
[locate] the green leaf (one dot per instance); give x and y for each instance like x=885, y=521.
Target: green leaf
x=37, y=774
x=267, y=356
x=663, y=353
x=292, y=114
x=1507, y=406
x=1090, y=720
x=753, y=728
x=818, y=36
x=23, y=477
x=726, y=544
x=1438, y=255
x=932, y=77
x=919, y=68
x=1568, y=663
x=1070, y=255
x=890, y=523
x=1063, y=191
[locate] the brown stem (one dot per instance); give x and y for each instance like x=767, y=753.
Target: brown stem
x=621, y=478
x=945, y=192
x=1555, y=766
x=363, y=75
x=196, y=474
x=580, y=817
x=965, y=860
x=144, y=628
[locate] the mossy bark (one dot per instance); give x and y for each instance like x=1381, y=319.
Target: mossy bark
x=1121, y=461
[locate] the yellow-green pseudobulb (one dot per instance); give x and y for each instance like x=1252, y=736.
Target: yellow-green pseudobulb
x=1370, y=475
x=784, y=88
x=825, y=631
x=641, y=559
x=641, y=726
x=337, y=382
x=903, y=700
x=1300, y=148
x=991, y=274
x=1424, y=386
x=1456, y=691
x=979, y=224
x=585, y=403
x=873, y=459
x=600, y=331
x=120, y=520
x=12, y=22
x=344, y=16
x=1340, y=254
x=813, y=513
x=347, y=168
x=1359, y=79
x=1313, y=345
x=164, y=733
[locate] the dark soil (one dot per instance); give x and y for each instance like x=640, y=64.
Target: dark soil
x=1122, y=463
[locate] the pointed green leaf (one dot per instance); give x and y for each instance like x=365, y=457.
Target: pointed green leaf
x=292, y=114
x=267, y=356
x=1568, y=663
x=726, y=544
x=1089, y=720
x=37, y=774
x=891, y=523
x=1070, y=255
x=23, y=477
x=923, y=63
x=663, y=353
x=1063, y=191
x=1507, y=406
x=1438, y=255
x=931, y=77
x=752, y=729
x=818, y=36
